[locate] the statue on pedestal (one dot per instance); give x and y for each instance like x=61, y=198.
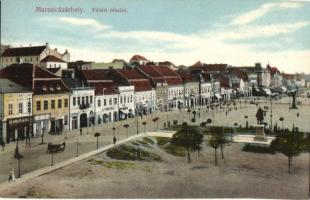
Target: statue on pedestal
x=260, y=115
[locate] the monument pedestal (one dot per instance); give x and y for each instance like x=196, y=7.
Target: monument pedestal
x=260, y=133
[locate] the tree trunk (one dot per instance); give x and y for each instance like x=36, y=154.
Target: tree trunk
x=42, y=138
x=97, y=142
x=215, y=156
x=188, y=155
x=222, y=151
x=18, y=168
x=289, y=164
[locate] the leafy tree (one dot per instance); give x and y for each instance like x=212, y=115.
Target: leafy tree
x=156, y=120
x=217, y=138
x=214, y=143
x=290, y=144
x=97, y=135
x=282, y=119
x=219, y=135
x=126, y=126
x=144, y=124
x=209, y=121
x=188, y=137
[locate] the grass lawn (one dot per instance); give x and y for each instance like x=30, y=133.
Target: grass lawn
x=129, y=152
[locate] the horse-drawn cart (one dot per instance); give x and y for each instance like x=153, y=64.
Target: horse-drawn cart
x=53, y=148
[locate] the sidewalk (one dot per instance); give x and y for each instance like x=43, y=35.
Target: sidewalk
x=6, y=185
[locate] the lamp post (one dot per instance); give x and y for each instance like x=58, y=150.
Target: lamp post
x=77, y=146
x=42, y=136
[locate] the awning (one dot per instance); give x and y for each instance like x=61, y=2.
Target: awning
x=124, y=111
x=218, y=96
x=267, y=91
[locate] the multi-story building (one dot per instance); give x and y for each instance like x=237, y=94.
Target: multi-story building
x=15, y=111
x=191, y=90
x=53, y=62
x=113, y=102
x=31, y=54
x=50, y=96
x=175, y=87
x=144, y=97
x=81, y=104
x=159, y=83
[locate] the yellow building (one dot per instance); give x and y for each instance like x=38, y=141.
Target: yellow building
x=50, y=112
x=15, y=111
x=50, y=96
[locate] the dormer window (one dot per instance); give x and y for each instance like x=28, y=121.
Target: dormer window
x=58, y=87
x=44, y=88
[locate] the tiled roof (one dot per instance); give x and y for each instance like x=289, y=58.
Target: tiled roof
x=137, y=58
x=51, y=58
x=174, y=81
x=215, y=67
x=24, y=73
x=273, y=70
x=206, y=77
x=141, y=85
x=7, y=86
x=198, y=64
x=91, y=75
x=187, y=78
x=53, y=70
x=38, y=79
x=24, y=51
x=166, y=71
x=239, y=73
x=131, y=74
x=49, y=87
x=108, y=87
x=224, y=81
x=150, y=71
x=288, y=76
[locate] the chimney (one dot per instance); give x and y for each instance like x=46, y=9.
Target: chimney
x=46, y=44
x=30, y=45
x=56, y=49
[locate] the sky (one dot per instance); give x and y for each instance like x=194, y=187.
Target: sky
x=236, y=32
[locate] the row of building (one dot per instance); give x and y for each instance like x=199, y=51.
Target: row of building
x=41, y=91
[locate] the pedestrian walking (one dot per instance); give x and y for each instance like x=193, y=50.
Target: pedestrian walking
x=114, y=140
x=12, y=175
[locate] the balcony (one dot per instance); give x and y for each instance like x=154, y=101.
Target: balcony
x=84, y=106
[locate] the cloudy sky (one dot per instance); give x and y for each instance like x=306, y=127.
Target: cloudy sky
x=237, y=32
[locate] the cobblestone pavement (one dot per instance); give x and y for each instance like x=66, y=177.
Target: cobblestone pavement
x=36, y=157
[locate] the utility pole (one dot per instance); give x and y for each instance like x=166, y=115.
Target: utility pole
x=137, y=124
x=271, y=128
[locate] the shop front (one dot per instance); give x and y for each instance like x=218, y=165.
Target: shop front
x=18, y=128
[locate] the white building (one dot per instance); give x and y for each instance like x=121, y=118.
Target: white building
x=126, y=104
x=31, y=54
x=205, y=92
x=53, y=62
x=145, y=101
x=81, y=111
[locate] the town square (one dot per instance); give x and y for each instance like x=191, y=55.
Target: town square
x=109, y=104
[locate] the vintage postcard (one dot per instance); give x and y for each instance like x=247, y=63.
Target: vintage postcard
x=155, y=99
